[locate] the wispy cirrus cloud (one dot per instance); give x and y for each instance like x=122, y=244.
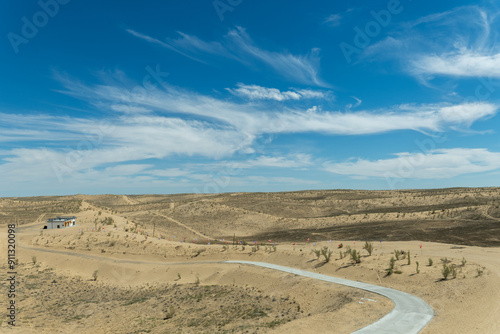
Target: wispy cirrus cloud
x=463, y=63
x=435, y=164
x=297, y=160
x=238, y=46
x=457, y=42
x=254, y=120
x=171, y=122
x=256, y=92
x=333, y=20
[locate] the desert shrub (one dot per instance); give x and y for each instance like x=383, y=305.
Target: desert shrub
x=430, y=262
x=170, y=313
x=197, y=281
x=275, y=248
x=355, y=256
x=327, y=253
x=445, y=271
x=94, y=274
x=464, y=261
x=368, y=246
x=341, y=255
x=392, y=262
x=33, y=259
x=449, y=269
x=347, y=250
x=409, y=259
x=479, y=272
x=397, y=254
x=418, y=270
x=316, y=252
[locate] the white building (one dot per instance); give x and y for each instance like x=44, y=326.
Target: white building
x=60, y=222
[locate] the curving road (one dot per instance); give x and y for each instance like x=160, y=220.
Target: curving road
x=409, y=315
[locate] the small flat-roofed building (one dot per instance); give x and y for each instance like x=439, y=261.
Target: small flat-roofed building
x=60, y=222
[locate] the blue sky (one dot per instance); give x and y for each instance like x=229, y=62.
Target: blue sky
x=133, y=97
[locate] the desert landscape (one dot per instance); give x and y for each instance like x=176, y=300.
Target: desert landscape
x=152, y=263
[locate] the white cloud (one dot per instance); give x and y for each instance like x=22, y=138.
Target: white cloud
x=465, y=63
x=333, y=20
x=237, y=45
x=129, y=109
x=216, y=129
x=255, y=92
x=253, y=120
x=457, y=42
x=169, y=172
x=435, y=164
x=293, y=161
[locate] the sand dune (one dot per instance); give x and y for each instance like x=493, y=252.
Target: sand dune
x=460, y=225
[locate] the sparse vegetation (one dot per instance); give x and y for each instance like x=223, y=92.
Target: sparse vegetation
x=368, y=246
x=392, y=270
x=170, y=313
x=397, y=254
x=33, y=259
x=409, y=258
x=448, y=269
x=355, y=256
x=327, y=253
x=316, y=252
x=94, y=275
x=430, y=262
x=418, y=270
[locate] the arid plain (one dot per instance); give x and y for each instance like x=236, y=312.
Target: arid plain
x=114, y=271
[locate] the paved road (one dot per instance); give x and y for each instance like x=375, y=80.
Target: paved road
x=409, y=315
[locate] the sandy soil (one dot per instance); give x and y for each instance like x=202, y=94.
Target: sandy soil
x=137, y=289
